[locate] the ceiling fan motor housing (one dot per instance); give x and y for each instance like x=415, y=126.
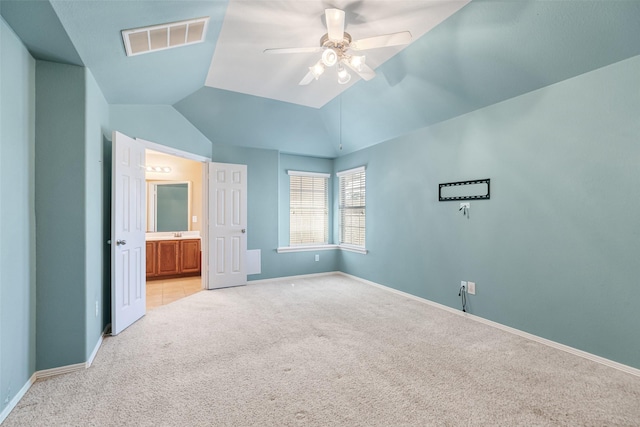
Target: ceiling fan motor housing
x=339, y=48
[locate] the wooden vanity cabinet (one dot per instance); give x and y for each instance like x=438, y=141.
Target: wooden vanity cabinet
x=173, y=258
x=152, y=256
x=168, y=257
x=190, y=256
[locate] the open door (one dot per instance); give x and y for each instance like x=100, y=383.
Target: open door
x=227, y=225
x=128, y=260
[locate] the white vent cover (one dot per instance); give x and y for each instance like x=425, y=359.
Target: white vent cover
x=164, y=36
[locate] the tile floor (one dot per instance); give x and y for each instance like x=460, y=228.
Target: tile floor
x=161, y=292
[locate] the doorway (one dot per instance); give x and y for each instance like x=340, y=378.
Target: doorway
x=165, y=291
x=221, y=247
x=176, y=219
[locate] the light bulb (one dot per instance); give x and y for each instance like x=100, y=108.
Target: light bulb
x=357, y=62
x=343, y=75
x=317, y=69
x=166, y=169
x=329, y=57
x=157, y=169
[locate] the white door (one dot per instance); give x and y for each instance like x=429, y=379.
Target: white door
x=128, y=260
x=227, y=225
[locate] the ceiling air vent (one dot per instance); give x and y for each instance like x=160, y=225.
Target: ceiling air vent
x=165, y=36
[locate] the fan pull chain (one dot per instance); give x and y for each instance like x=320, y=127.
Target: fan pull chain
x=340, y=121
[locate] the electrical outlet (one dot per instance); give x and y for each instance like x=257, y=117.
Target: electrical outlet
x=465, y=205
x=317, y=257
x=471, y=288
x=463, y=283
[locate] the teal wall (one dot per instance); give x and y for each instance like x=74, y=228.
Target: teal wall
x=72, y=118
x=96, y=128
x=60, y=214
x=554, y=251
x=263, y=172
x=17, y=221
x=161, y=124
x=245, y=120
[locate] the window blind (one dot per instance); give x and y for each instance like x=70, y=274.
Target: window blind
x=308, y=209
x=352, y=207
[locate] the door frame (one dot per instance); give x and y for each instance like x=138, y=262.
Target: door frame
x=204, y=224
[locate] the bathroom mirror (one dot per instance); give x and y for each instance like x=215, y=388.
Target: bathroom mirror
x=168, y=206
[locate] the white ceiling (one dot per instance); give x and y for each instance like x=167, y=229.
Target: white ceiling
x=239, y=64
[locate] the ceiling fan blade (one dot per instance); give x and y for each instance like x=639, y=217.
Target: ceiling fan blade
x=294, y=50
x=365, y=72
x=307, y=79
x=335, y=24
x=385, y=40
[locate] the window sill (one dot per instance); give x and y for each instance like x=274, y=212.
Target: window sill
x=351, y=248
x=327, y=247
x=306, y=248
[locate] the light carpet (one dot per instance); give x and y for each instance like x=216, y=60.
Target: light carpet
x=326, y=351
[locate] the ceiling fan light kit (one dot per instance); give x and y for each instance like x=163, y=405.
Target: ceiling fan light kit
x=336, y=47
x=357, y=62
x=317, y=69
x=343, y=75
x=329, y=57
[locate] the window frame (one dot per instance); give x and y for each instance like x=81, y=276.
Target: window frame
x=326, y=177
x=341, y=231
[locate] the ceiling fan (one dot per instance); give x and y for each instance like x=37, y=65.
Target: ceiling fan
x=337, y=47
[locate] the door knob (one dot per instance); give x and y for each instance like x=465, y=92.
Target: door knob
x=244, y=230
x=121, y=242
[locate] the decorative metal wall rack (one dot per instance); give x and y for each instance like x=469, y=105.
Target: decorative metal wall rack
x=479, y=190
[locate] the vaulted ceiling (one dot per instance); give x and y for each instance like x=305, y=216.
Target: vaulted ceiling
x=463, y=56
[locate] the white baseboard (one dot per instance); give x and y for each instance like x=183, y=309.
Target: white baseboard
x=19, y=395
x=302, y=276
x=46, y=373
x=589, y=356
x=93, y=353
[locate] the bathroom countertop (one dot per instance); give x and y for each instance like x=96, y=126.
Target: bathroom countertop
x=171, y=236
